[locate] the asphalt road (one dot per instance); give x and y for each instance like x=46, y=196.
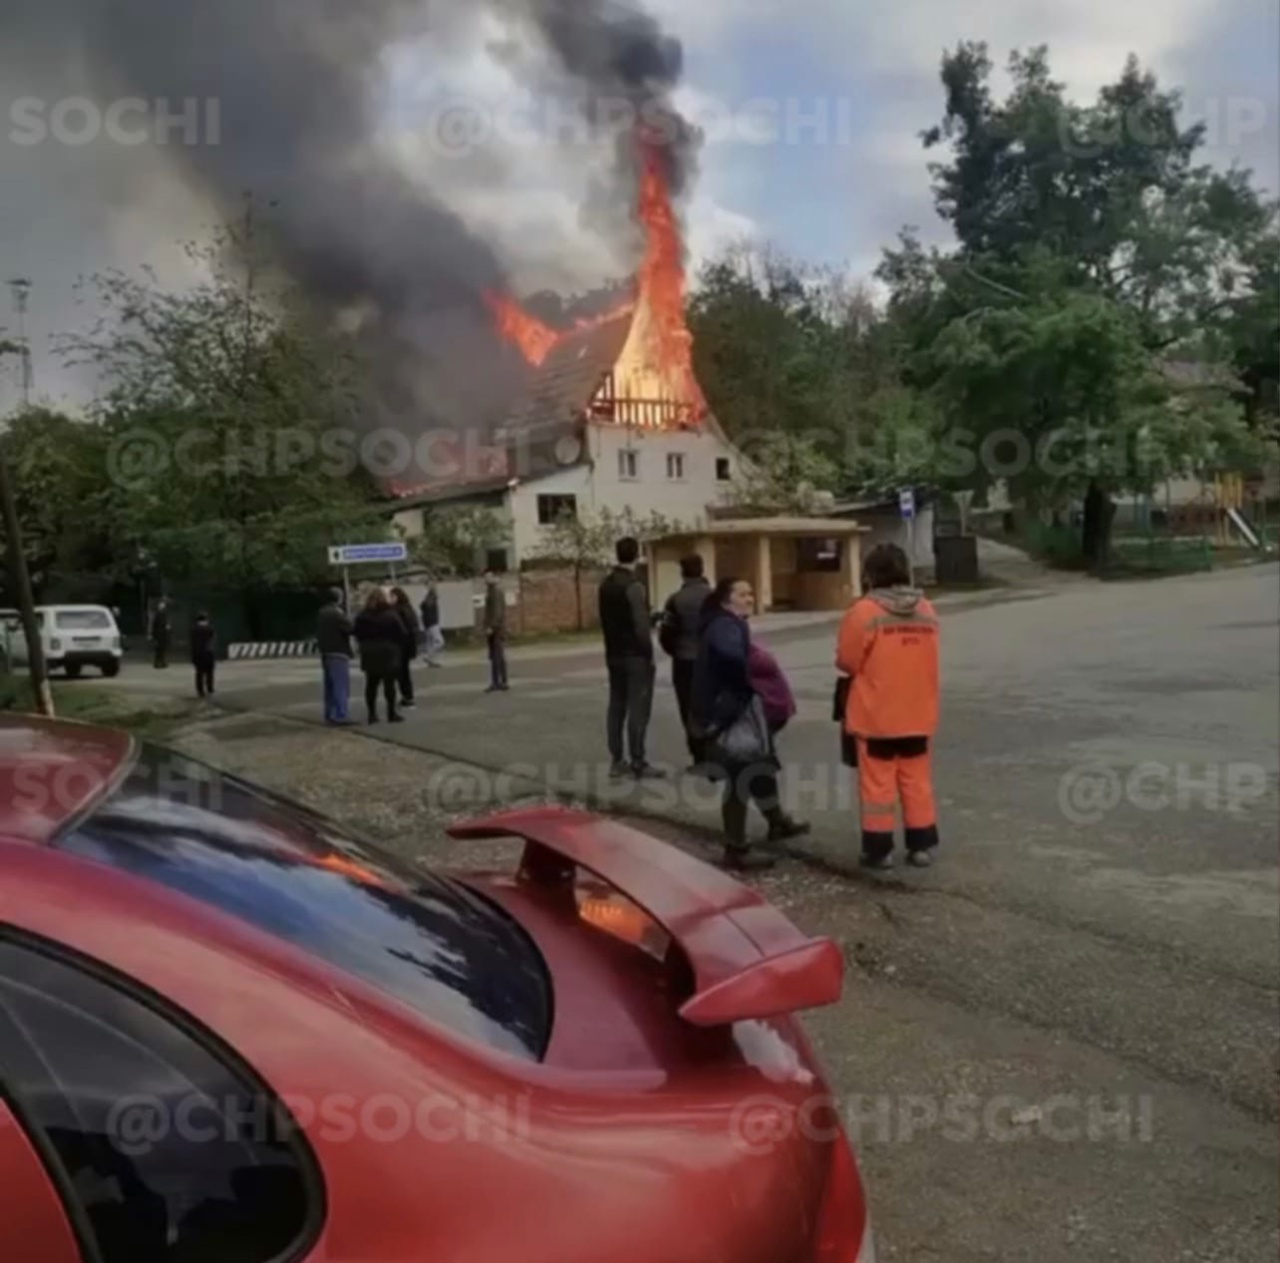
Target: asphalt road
x=1099, y=943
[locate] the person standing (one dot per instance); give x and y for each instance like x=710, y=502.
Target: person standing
x=433, y=637
x=380, y=632
x=495, y=630
x=161, y=634
x=408, y=646
x=679, y=636
x=628, y=653
x=888, y=644
x=204, y=653
x=333, y=636
x=722, y=697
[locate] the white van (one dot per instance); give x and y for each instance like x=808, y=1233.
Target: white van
x=73, y=636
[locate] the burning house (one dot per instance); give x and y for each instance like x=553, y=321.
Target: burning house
x=610, y=414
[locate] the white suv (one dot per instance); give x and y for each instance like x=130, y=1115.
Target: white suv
x=73, y=636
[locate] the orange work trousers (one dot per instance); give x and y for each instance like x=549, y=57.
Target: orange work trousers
x=883, y=784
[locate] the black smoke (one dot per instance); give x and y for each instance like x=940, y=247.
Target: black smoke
x=296, y=82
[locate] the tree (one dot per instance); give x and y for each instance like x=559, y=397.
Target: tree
x=56, y=463
x=1094, y=256
x=585, y=541
x=233, y=449
x=785, y=473
x=455, y=537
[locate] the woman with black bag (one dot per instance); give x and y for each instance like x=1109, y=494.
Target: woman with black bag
x=728, y=716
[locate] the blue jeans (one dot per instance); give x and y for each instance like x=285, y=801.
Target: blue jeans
x=337, y=687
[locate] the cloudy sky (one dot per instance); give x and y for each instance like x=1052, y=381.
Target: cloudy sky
x=812, y=109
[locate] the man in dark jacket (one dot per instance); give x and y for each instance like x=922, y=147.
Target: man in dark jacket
x=628, y=652
x=161, y=634
x=680, y=621
x=204, y=652
x=495, y=630
x=333, y=635
x=433, y=638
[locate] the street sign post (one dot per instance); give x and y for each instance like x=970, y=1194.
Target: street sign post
x=907, y=507
x=348, y=555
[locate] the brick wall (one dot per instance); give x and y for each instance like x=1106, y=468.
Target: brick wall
x=546, y=602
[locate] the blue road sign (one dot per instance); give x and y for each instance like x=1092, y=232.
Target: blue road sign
x=907, y=502
x=358, y=554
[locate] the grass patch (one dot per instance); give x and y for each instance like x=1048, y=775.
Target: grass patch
x=95, y=705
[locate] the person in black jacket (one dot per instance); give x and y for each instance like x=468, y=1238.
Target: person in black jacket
x=408, y=645
x=628, y=652
x=333, y=638
x=432, y=635
x=380, y=633
x=161, y=634
x=680, y=623
x=204, y=653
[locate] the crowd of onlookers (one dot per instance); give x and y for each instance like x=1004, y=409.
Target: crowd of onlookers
x=733, y=697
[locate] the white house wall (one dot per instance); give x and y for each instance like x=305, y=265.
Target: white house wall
x=599, y=483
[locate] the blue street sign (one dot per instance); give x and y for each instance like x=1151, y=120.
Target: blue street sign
x=907, y=502
x=357, y=554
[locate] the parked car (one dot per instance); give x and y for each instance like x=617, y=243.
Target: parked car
x=73, y=637
x=231, y=1031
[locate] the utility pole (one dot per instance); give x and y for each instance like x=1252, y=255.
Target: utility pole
x=20, y=577
x=20, y=288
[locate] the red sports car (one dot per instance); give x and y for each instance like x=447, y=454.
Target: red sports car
x=231, y=1033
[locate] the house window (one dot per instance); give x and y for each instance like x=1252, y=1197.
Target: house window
x=819, y=556
x=495, y=559
x=552, y=508
x=675, y=465
x=628, y=464
x=723, y=472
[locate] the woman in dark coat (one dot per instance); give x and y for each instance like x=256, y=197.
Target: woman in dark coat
x=721, y=694
x=408, y=617
x=379, y=632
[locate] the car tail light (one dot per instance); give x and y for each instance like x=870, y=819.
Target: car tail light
x=623, y=919
x=844, y=1228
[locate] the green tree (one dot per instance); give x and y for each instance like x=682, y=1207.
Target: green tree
x=55, y=463
x=232, y=448
x=1094, y=255
x=456, y=538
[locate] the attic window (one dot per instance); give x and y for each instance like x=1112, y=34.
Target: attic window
x=723, y=471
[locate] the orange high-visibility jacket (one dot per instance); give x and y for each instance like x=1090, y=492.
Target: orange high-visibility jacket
x=889, y=644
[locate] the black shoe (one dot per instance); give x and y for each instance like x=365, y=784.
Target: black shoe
x=920, y=859
x=877, y=863
x=395, y=719
x=647, y=772
x=745, y=860
x=407, y=703
x=373, y=719
x=618, y=770
x=784, y=829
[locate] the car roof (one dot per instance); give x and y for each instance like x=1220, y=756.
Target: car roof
x=53, y=770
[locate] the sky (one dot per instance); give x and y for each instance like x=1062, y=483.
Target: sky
x=812, y=111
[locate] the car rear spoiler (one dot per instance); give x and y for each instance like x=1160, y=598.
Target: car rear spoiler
x=748, y=960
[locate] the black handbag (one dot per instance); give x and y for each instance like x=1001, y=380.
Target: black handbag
x=840, y=699
x=744, y=742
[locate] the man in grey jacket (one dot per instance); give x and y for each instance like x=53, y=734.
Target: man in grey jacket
x=680, y=620
x=333, y=636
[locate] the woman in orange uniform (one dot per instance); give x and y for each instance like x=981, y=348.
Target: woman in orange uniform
x=888, y=644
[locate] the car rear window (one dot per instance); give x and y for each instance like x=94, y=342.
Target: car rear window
x=83, y=620
x=424, y=939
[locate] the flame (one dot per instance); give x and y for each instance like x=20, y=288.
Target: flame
x=656, y=364
x=657, y=361
x=534, y=338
